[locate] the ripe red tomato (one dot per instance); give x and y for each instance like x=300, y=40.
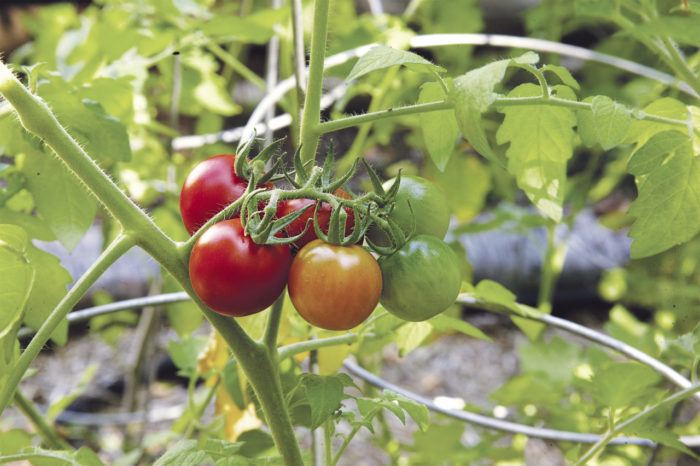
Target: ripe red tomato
x=235, y=276
x=210, y=186
x=324, y=216
x=334, y=287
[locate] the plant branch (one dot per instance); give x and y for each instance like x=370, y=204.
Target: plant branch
x=311, y=117
x=356, y=120
x=46, y=432
x=269, y=338
x=113, y=252
x=309, y=345
x=620, y=427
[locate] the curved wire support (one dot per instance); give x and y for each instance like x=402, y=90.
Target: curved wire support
x=254, y=125
x=594, y=336
x=498, y=424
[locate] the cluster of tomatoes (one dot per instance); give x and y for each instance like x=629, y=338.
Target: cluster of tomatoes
x=331, y=286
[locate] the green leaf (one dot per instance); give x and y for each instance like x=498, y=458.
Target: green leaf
x=232, y=382
x=555, y=359
x=418, y=412
x=619, y=384
x=13, y=441
x=563, y=74
x=185, y=452
x=586, y=126
x=541, y=142
x=597, y=8
x=82, y=457
x=34, y=226
x=667, y=208
x=473, y=94
x=652, y=427
x=43, y=299
x=18, y=277
x=316, y=397
x=381, y=56
x=466, y=182
x=440, y=130
x=101, y=135
x=60, y=197
x=611, y=119
x=186, y=352
x=235, y=27
x=525, y=389
x=683, y=29
x=641, y=130
x=411, y=335
x=443, y=322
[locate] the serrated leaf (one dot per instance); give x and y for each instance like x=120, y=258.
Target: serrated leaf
x=101, y=135
x=541, y=142
x=611, y=119
x=34, y=226
x=652, y=427
x=381, y=56
x=563, y=74
x=555, y=359
x=440, y=130
x=667, y=208
x=466, y=182
x=185, y=452
x=641, y=130
x=473, y=94
x=525, y=389
x=621, y=384
x=443, y=322
x=315, y=398
x=418, y=412
x=82, y=457
x=60, y=197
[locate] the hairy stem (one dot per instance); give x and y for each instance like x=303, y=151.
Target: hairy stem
x=311, y=117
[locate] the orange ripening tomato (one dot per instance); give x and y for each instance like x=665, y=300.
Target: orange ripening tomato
x=334, y=287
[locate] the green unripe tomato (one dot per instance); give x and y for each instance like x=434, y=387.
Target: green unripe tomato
x=421, y=279
x=429, y=210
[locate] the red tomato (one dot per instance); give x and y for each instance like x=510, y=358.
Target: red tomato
x=235, y=276
x=324, y=216
x=210, y=186
x=334, y=287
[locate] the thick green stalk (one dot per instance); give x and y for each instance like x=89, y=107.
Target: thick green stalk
x=311, y=117
x=38, y=119
x=115, y=250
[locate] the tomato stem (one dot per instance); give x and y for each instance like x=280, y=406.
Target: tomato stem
x=311, y=117
x=269, y=338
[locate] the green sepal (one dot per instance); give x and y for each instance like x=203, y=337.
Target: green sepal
x=269, y=151
x=285, y=221
x=273, y=173
x=381, y=250
x=241, y=167
x=319, y=234
x=299, y=167
x=345, y=178
x=374, y=178
x=393, y=189
x=359, y=230
x=336, y=225
x=328, y=166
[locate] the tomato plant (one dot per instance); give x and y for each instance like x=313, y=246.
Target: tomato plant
x=235, y=276
x=334, y=287
x=420, y=207
x=421, y=279
x=322, y=217
x=209, y=187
